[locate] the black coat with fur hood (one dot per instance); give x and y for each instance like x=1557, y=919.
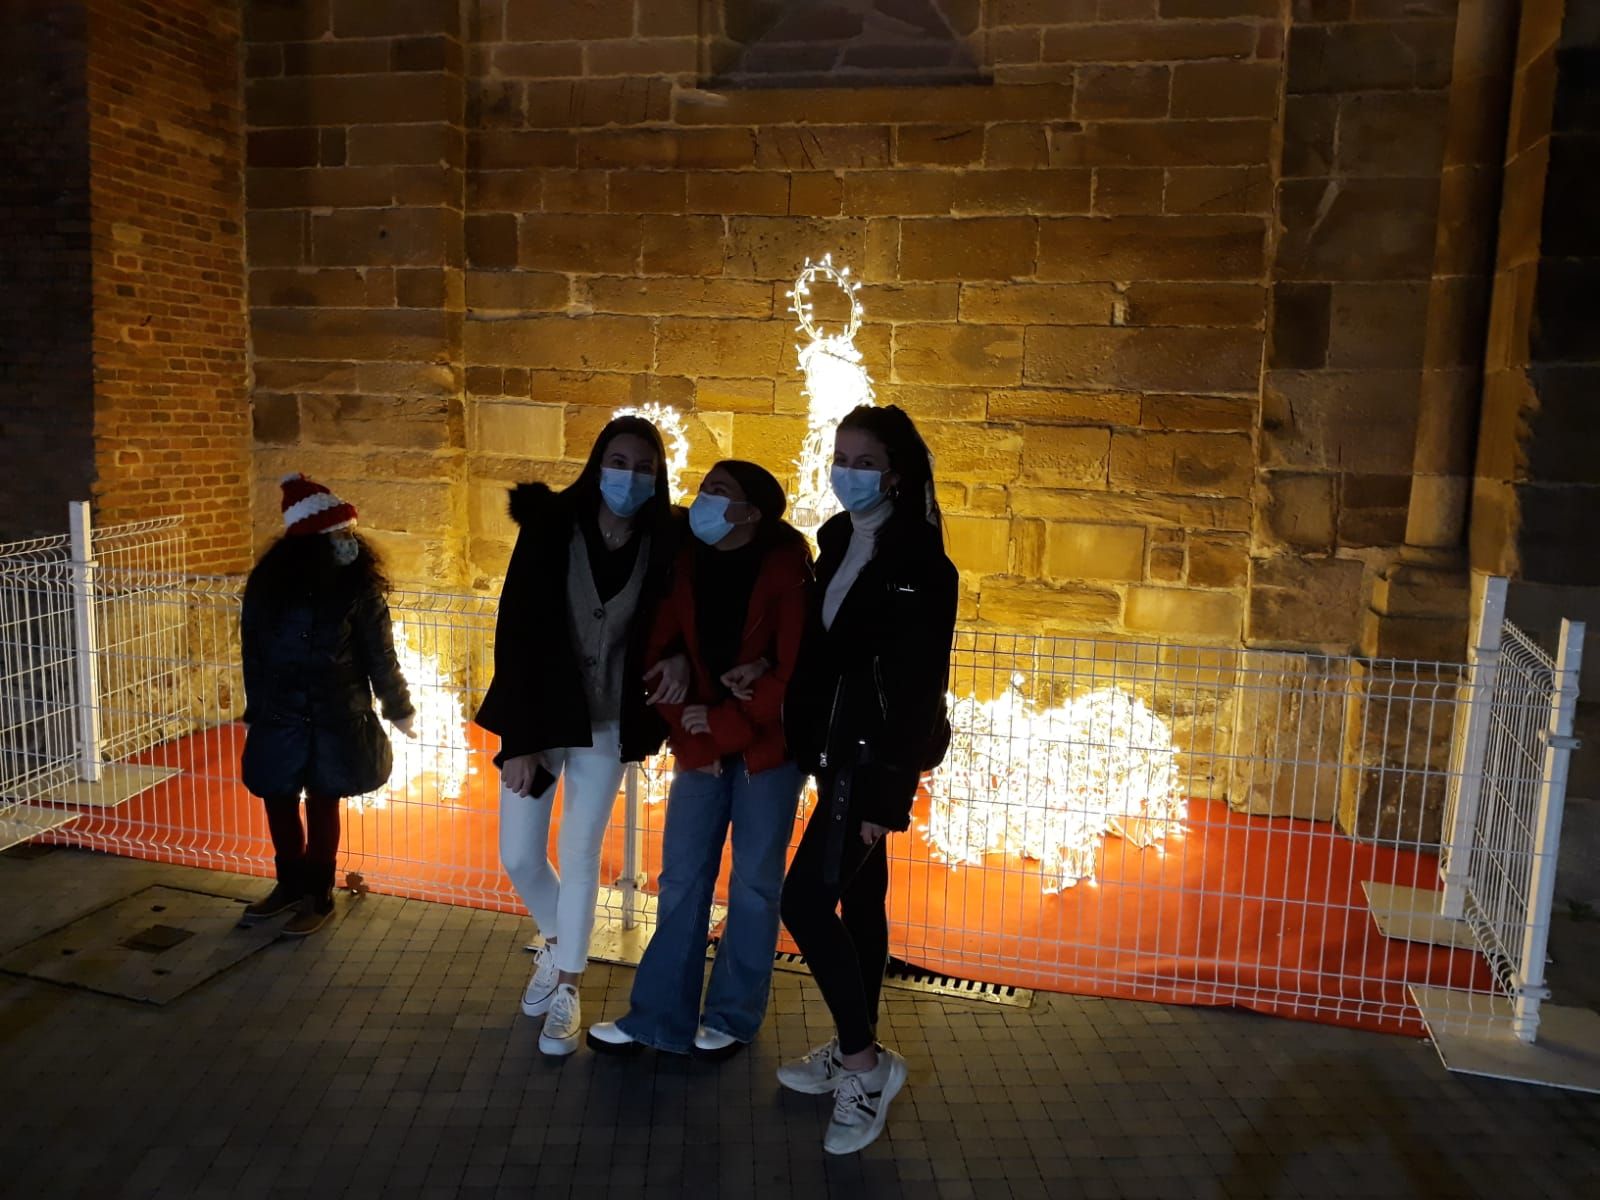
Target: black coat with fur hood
x=536, y=699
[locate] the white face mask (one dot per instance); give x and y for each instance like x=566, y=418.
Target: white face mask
x=345, y=547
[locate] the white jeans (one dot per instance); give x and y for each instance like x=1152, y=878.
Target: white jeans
x=563, y=908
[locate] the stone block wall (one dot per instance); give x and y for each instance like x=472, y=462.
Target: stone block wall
x=354, y=186
x=1064, y=272
x=479, y=226
x=1364, y=127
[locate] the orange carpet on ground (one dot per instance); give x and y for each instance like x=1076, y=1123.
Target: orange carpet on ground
x=1258, y=912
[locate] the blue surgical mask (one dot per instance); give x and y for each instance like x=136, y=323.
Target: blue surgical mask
x=345, y=547
x=625, y=492
x=858, y=491
x=708, y=518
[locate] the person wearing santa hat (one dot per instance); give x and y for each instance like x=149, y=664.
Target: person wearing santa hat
x=317, y=645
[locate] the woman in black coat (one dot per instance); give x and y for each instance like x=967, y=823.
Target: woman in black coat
x=568, y=698
x=317, y=644
x=866, y=715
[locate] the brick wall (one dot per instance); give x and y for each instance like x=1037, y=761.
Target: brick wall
x=46, y=388
x=171, y=416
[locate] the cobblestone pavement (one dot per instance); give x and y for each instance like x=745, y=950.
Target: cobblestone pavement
x=386, y=1057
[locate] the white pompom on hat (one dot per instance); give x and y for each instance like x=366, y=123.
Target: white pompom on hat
x=309, y=508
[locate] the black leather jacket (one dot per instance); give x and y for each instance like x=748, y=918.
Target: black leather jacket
x=869, y=697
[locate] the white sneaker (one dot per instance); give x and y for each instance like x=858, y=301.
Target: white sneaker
x=714, y=1044
x=861, y=1104
x=541, y=988
x=608, y=1038
x=817, y=1073
x=563, y=1024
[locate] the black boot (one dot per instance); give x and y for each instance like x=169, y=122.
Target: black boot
x=284, y=895
x=315, y=901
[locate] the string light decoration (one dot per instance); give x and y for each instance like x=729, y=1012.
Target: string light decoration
x=1047, y=785
x=836, y=382
x=667, y=419
x=439, y=749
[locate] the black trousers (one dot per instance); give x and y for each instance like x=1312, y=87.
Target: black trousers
x=841, y=927
x=316, y=842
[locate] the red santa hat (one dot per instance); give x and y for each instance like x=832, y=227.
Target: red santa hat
x=309, y=508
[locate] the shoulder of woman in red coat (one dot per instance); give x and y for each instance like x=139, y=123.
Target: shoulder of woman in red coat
x=788, y=563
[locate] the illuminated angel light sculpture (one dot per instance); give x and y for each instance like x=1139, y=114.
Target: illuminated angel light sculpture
x=836, y=382
x=666, y=418
x=1048, y=785
x=439, y=751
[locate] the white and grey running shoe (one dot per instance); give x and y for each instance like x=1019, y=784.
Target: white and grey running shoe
x=861, y=1104
x=817, y=1074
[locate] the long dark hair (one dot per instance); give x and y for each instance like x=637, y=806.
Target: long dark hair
x=762, y=490
x=584, y=491
x=915, y=504
x=299, y=565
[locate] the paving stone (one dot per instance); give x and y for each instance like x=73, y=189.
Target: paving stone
x=386, y=1057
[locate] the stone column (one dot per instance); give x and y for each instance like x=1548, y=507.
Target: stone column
x=356, y=115
x=1536, y=489
x=1458, y=312
x=1366, y=100
x=1419, y=604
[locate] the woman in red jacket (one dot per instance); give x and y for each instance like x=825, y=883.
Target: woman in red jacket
x=737, y=609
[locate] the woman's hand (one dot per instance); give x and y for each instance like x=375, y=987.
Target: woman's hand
x=872, y=834
x=671, y=676
x=408, y=726
x=696, y=719
x=742, y=678
x=517, y=773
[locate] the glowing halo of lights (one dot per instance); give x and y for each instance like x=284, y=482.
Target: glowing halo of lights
x=667, y=419
x=800, y=299
x=1048, y=784
x=836, y=382
x=439, y=749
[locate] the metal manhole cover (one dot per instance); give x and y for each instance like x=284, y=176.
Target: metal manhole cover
x=153, y=946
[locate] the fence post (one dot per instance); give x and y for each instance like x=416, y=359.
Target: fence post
x=1558, y=746
x=629, y=883
x=86, y=645
x=1483, y=669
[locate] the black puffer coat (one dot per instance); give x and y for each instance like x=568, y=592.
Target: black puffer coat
x=310, y=671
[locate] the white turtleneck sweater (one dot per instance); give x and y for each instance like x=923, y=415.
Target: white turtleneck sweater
x=864, y=527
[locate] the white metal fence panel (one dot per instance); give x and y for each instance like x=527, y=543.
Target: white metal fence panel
x=1181, y=823
x=38, y=696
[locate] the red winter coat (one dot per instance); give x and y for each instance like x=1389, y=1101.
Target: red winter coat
x=774, y=625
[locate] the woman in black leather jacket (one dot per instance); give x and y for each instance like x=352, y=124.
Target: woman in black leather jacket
x=866, y=715
x=317, y=644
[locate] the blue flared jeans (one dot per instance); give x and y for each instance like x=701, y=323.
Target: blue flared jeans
x=665, y=1006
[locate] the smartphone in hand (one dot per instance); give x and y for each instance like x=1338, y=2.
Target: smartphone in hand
x=543, y=780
